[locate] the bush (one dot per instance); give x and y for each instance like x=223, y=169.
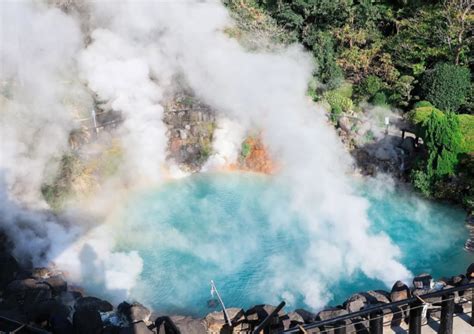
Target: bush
x=370, y=86
x=328, y=72
x=443, y=139
x=336, y=100
x=336, y=113
x=446, y=86
x=421, y=104
x=379, y=99
x=421, y=181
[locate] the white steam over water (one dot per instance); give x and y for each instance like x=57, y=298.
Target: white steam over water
x=135, y=51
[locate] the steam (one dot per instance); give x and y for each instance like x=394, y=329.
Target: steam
x=136, y=50
x=40, y=93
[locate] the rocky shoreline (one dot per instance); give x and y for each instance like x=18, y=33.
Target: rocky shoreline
x=42, y=300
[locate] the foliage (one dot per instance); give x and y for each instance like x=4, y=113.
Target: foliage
x=446, y=86
x=337, y=100
x=421, y=181
x=443, y=139
x=421, y=104
x=371, y=85
x=336, y=113
x=466, y=123
x=328, y=71
x=246, y=149
x=379, y=99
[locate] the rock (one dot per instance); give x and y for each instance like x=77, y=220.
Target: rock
x=8, y=269
x=334, y=312
x=470, y=272
x=330, y=313
x=216, y=322
x=408, y=145
x=292, y=319
x=164, y=325
x=345, y=124
x=87, y=321
x=40, y=273
x=422, y=281
x=259, y=312
x=59, y=321
x=43, y=310
x=188, y=325
x=134, y=312
x=400, y=291
x=356, y=302
x=57, y=284
x=93, y=303
x=27, y=293
x=136, y=328
x=307, y=316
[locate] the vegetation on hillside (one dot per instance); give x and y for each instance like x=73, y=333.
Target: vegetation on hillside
x=397, y=54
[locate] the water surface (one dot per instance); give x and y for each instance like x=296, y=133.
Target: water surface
x=222, y=227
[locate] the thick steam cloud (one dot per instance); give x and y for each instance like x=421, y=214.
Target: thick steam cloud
x=135, y=51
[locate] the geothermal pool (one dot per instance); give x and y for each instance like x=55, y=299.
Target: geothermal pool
x=239, y=230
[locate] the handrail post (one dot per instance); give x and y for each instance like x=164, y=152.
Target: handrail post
x=376, y=323
x=447, y=312
x=415, y=318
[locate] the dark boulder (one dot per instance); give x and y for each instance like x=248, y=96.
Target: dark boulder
x=133, y=312
x=470, y=272
x=8, y=269
x=59, y=321
x=40, y=273
x=307, y=316
x=400, y=291
x=292, y=319
x=57, y=284
x=422, y=282
x=164, y=325
x=93, y=303
x=136, y=328
x=334, y=312
x=87, y=321
x=189, y=325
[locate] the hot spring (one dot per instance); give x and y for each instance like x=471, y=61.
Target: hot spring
x=239, y=230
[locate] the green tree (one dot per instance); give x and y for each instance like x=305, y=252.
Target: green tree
x=447, y=86
x=443, y=140
x=328, y=72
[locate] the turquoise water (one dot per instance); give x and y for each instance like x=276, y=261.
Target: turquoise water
x=227, y=227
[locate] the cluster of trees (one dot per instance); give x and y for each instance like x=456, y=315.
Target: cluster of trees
x=398, y=53
x=395, y=41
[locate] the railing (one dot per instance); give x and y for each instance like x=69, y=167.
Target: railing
x=375, y=314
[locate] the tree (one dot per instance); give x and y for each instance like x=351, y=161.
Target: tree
x=328, y=71
x=443, y=140
x=447, y=86
x=459, y=25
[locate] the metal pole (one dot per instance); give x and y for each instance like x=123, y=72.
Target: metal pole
x=269, y=317
x=376, y=323
x=94, y=120
x=226, y=315
x=447, y=311
x=415, y=317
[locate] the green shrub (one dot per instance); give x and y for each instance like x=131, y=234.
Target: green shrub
x=443, y=140
x=336, y=100
x=379, y=99
x=421, y=181
x=423, y=104
x=336, y=113
x=370, y=86
x=245, y=150
x=446, y=86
